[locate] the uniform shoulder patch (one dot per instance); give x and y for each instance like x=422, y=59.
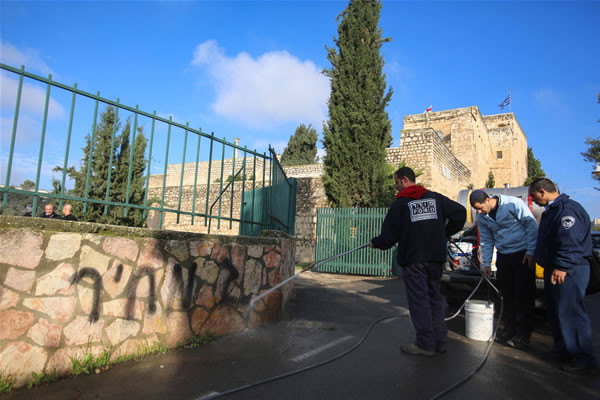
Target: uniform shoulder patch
x=567, y=222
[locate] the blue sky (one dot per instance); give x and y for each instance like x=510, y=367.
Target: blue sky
x=251, y=70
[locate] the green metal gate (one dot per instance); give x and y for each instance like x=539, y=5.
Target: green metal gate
x=341, y=229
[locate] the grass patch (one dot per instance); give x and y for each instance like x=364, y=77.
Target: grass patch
x=142, y=352
x=89, y=362
x=6, y=383
x=303, y=266
x=43, y=377
x=197, y=341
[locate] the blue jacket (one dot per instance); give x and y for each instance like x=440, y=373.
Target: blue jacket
x=564, y=238
x=514, y=230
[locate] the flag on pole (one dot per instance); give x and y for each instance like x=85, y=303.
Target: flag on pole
x=429, y=109
x=505, y=103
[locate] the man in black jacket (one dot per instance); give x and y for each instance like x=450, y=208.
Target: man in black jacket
x=67, y=213
x=49, y=212
x=420, y=221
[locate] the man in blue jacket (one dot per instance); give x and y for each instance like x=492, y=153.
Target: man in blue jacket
x=506, y=223
x=420, y=221
x=563, y=249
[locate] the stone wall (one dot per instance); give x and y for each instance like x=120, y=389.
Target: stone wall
x=510, y=149
x=447, y=173
x=416, y=150
x=182, y=222
x=189, y=169
x=304, y=171
x=71, y=288
x=310, y=195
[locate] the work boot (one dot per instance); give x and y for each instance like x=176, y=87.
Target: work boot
x=505, y=335
x=416, y=350
x=578, y=366
x=440, y=348
x=519, y=341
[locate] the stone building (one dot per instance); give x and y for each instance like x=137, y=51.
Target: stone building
x=453, y=149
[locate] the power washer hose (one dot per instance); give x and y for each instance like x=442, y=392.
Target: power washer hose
x=492, y=339
x=315, y=266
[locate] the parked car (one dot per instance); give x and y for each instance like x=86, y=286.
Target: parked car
x=461, y=273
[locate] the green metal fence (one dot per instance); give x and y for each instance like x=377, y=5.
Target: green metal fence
x=341, y=229
x=226, y=194
x=275, y=205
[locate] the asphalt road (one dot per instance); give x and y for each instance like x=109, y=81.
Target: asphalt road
x=330, y=314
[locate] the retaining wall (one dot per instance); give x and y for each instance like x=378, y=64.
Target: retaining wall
x=67, y=288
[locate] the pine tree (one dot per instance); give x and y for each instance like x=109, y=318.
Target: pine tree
x=302, y=147
x=534, y=168
x=138, y=166
x=99, y=168
x=28, y=185
x=358, y=130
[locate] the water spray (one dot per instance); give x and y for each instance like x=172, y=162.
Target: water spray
x=314, y=265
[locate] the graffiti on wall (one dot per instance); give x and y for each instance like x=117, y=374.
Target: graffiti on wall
x=181, y=288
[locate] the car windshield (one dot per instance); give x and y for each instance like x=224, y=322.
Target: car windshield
x=596, y=241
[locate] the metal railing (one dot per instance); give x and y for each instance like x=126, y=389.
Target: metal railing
x=251, y=166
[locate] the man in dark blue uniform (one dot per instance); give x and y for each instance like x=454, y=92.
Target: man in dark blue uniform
x=563, y=249
x=420, y=221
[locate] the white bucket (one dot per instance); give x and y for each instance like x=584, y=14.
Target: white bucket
x=479, y=319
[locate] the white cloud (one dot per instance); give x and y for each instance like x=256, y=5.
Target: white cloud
x=264, y=144
x=33, y=98
x=28, y=130
x=30, y=58
x=271, y=89
x=25, y=167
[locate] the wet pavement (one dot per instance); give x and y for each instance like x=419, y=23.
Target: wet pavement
x=329, y=315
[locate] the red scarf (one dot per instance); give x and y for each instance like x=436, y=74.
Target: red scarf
x=413, y=191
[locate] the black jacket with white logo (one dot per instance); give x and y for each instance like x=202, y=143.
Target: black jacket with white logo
x=420, y=225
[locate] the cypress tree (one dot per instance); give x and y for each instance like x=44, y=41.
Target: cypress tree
x=302, y=147
x=358, y=130
x=491, y=181
x=534, y=168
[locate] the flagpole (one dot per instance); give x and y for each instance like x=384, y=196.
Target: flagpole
x=510, y=101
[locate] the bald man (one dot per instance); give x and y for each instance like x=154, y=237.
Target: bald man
x=66, y=213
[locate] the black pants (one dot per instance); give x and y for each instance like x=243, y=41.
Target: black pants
x=426, y=303
x=517, y=285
